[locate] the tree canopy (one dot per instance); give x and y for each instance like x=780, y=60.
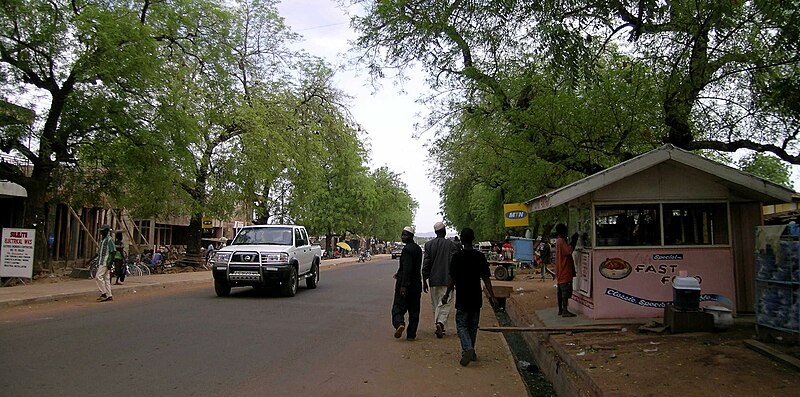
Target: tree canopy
x=559, y=90
x=185, y=107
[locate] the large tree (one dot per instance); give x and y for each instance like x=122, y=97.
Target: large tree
x=581, y=85
x=393, y=207
x=87, y=68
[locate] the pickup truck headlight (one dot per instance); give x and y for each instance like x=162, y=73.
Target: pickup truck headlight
x=222, y=257
x=274, y=257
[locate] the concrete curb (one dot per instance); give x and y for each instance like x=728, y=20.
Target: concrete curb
x=124, y=289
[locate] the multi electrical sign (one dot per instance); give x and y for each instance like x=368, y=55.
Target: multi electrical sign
x=16, y=258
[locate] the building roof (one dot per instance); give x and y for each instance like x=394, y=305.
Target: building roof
x=752, y=186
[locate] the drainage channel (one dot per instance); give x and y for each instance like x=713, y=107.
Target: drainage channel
x=537, y=384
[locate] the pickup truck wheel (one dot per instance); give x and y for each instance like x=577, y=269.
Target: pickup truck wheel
x=313, y=279
x=222, y=288
x=290, y=285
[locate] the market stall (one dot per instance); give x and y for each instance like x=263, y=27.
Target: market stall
x=645, y=221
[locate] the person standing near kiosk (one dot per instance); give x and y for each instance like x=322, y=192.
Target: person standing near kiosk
x=565, y=268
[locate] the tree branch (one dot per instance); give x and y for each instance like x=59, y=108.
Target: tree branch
x=745, y=144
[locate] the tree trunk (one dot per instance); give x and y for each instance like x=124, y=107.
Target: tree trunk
x=194, y=235
x=36, y=212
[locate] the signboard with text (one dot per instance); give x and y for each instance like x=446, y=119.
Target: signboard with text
x=16, y=253
x=515, y=215
x=628, y=283
x=584, y=271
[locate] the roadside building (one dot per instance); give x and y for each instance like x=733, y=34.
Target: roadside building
x=646, y=220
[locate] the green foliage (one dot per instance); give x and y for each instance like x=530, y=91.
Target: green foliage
x=533, y=95
x=393, y=206
x=768, y=167
x=186, y=107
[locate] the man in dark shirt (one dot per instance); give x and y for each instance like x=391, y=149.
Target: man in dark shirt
x=408, y=287
x=467, y=268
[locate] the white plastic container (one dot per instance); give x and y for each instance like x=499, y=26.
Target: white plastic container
x=686, y=293
x=723, y=317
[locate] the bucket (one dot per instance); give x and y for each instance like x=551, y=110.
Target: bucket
x=686, y=293
x=723, y=317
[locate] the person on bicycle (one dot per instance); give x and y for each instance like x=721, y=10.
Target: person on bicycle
x=105, y=261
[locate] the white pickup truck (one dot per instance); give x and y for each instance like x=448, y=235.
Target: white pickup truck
x=267, y=256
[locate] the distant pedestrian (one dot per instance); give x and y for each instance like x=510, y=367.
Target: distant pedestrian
x=458, y=243
x=120, y=269
x=436, y=274
x=544, y=257
x=105, y=261
x=467, y=268
x=507, y=251
x=408, y=287
x=565, y=268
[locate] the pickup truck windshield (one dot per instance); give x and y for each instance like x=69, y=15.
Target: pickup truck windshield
x=265, y=236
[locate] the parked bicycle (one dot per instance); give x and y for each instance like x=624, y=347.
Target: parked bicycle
x=136, y=265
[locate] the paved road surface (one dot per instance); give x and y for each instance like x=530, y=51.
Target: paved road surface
x=332, y=341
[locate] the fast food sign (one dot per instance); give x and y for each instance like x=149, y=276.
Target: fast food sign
x=638, y=282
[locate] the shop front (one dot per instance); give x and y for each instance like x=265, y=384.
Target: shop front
x=661, y=215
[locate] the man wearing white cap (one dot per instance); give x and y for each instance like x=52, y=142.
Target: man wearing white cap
x=408, y=287
x=436, y=272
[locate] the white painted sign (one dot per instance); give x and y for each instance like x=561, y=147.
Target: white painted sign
x=16, y=253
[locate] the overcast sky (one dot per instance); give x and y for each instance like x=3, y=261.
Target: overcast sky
x=388, y=115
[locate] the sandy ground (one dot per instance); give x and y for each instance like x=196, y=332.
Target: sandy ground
x=640, y=364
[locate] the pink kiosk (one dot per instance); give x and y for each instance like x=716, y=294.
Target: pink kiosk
x=664, y=214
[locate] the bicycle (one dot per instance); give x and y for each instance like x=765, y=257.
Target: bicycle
x=93, y=267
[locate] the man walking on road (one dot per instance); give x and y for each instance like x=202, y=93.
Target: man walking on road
x=436, y=271
x=467, y=269
x=105, y=261
x=408, y=287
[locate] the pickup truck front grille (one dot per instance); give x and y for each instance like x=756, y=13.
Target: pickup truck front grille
x=244, y=275
x=245, y=257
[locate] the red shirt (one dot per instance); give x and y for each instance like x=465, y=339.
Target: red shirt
x=565, y=266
